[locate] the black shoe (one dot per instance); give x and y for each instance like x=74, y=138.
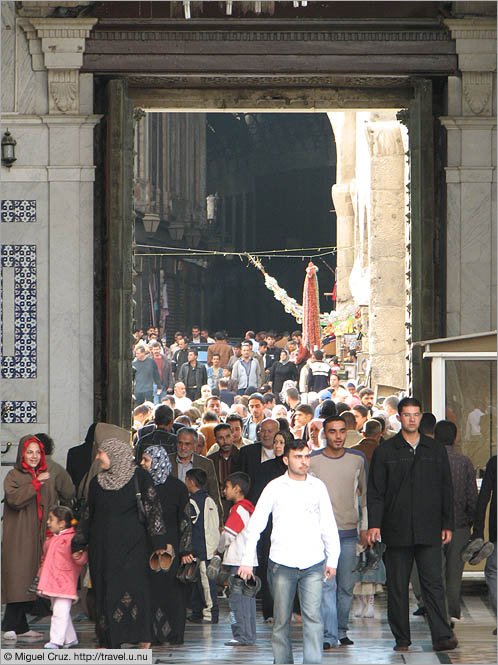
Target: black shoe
x=193, y=619
x=446, y=645
x=420, y=612
x=327, y=646
x=494, y=631
x=346, y=642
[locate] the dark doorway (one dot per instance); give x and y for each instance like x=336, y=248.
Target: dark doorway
x=273, y=173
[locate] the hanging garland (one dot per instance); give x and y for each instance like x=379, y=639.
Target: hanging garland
x=332, y=323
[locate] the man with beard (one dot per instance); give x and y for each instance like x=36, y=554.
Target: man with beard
x=225, y=460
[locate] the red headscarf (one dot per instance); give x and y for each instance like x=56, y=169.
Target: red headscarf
x=42, y=466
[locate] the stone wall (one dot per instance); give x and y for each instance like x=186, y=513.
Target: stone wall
x=47, y=231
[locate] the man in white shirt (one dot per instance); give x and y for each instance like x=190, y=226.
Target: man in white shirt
x=304, y=550
x=182, y=402
x=390, y=406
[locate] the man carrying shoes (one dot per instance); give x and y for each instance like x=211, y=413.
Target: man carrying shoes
x=304, y=550
x=410, y=505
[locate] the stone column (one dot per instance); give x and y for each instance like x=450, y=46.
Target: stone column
x=53, y=125
x=386, y=252
x=344, y=128
x=471, y=179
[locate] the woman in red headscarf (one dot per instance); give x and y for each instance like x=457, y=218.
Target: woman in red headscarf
x=28, y=497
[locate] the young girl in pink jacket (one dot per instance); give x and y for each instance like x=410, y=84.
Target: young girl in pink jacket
x=58, y=577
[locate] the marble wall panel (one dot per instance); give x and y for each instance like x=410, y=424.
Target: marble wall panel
x=8, y=43
x=86, y=350
x=476, y=147
x=64, y=144
x=64, y=312
x=32, y=144
x=476, y=226
x=476, y=309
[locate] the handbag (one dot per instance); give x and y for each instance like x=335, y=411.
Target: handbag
x=140, y=505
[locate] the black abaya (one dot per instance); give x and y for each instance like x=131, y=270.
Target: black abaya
x=169, y=601
x=118, y=556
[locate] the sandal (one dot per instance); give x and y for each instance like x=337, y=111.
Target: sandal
x=166, y=558
x=154, y=564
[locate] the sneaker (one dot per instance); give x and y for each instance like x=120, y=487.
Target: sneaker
x=236, y=643
x=327, y=646
x=213, y=568
x=345, y=642
x=51, y=645
x=472, y=548
x=10, y=635
x=486, y=550
x=70, y=644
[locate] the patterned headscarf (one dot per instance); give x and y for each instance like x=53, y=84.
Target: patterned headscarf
x=122, y=465
x=160, y=467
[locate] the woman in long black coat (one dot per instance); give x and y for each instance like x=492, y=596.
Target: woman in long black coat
x=282, y=370
x=118, y=545
x=169, y=595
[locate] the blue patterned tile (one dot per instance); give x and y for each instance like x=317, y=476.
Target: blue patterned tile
x=23, y=364
x=19, y=412
x=18, y=210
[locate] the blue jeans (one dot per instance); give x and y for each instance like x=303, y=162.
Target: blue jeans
x=490, y=575
x=337, y=594
x=242, y=614
x=283, y=583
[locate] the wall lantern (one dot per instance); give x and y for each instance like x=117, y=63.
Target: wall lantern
x=8, y=149
x=176, y=230
x=193, y=236
x=151, y=222
x=211, y=207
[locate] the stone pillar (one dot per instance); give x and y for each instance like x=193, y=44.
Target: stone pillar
x=49, y=197
x=344, y=128
x=471, y=179
x=386, y=252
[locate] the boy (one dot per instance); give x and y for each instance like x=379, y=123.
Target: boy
x=232, y=543
x=205, y=538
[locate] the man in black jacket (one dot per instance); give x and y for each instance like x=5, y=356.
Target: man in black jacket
x=160, y=433
x=193, y=375
x=410, y=505
x=487, y=493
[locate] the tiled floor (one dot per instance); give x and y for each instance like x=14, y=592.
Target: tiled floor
x=372, y=638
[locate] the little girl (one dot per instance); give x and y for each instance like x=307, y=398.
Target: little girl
x=58, y=577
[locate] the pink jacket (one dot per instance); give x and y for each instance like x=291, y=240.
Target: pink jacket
x=59, y=572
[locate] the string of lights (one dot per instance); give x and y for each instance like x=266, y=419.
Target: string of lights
x=296, y=253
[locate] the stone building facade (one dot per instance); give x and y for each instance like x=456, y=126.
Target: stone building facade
x=70, y=79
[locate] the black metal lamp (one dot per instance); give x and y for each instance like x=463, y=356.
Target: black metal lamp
x=8, y=149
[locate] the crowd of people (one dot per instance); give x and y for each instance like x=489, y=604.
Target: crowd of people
x=260, y=473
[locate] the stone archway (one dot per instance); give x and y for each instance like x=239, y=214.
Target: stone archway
x=406, y=284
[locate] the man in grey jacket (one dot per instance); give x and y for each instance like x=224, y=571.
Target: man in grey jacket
x=246, y=371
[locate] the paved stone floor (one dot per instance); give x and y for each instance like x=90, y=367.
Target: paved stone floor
x=372, y=638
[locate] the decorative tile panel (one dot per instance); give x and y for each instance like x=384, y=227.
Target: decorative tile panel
x=23, y=364
x=18, y=210
x=19, y=412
